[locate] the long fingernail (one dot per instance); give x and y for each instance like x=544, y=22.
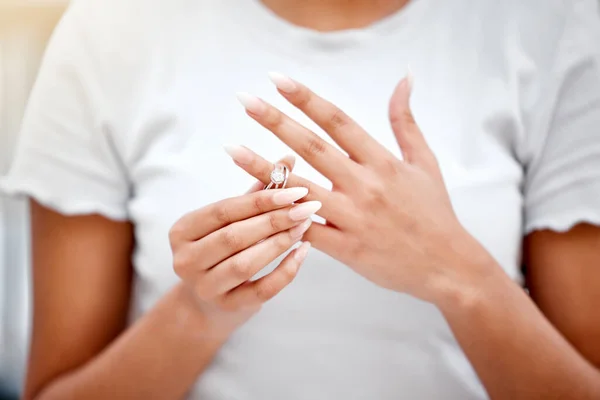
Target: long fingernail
x=410, y=80
x=252, y=103
x=239, y=154
x=299, y=230
x=288, y=196
x=302, y=251
x=304, y=210
x=282, y=82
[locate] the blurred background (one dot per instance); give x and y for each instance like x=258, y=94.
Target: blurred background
x=25, y=26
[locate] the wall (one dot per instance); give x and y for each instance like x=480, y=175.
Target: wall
x=24, y=30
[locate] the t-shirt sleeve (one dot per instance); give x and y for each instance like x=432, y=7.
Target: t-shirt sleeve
x=65, y=157
x=562, y=186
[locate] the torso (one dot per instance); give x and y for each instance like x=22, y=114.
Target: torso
x=331, y=334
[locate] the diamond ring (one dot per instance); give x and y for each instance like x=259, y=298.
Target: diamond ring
x=279, y=177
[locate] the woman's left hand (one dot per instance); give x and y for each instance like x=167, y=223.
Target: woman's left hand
x=390, y=220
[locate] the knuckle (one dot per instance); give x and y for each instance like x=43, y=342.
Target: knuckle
x=266, y=291
x=282, y=241
x=176, y=233
x=221, y=213
x=259, y=203
x=315, y=147
x=376, y=195
x=241, y=267
x=357, y=249
x=231, y=239
x=408, y=118
x=289, y=274
x=396, y=120
x=391, y=165
x=274, y=222
x=181, y=263
x=274, y=118
x=338, y=119
x=310, y=186
x=377, y=198
x=373, y=185
x=302, y=99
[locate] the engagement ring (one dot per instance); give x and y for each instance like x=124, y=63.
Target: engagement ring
x=279, y=177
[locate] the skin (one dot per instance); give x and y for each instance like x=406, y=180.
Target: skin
x=81, y=347
x=421, y=249
x=216, y=251
x=333, y=15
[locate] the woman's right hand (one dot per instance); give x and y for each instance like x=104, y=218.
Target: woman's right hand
x=219, y=248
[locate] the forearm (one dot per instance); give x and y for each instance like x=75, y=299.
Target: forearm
x=160, y=356
x=515, y=350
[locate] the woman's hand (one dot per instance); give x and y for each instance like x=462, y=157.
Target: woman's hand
x=390, y=220
x=219, y=248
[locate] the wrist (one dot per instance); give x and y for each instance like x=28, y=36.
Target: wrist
x=464, y=280
x=195, y=319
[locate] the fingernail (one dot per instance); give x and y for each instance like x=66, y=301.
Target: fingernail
x=410, y=80
x=299, y=230
x=302, y=251
x=304, y=210
x=282, y=82
x=239, y=154
x=252, y=103
x=288, y=196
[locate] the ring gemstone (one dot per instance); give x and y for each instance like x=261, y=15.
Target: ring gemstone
x=278, y=176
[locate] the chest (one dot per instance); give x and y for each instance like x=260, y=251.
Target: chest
x=176, y=162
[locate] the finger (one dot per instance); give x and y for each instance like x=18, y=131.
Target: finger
x=352, y=138
x=261, y=169
x=408, y=134
x=258, y=185
x=267, y=287
x=213, y=217
x=325, y=158
x=289, y=161
x=234, y=238
x=243, y=266
x=329, y=240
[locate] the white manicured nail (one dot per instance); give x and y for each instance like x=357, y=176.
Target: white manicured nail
x=410, y=77
x=282, y=82
x=288, y=196
x=251, y=103
x=301, y=252
x=239, y=154
x=299, y=230
x=304, y=210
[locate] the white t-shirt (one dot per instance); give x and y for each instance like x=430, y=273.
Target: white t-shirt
x=136, y=98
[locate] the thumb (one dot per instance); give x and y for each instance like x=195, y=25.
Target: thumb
x=408, y=135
